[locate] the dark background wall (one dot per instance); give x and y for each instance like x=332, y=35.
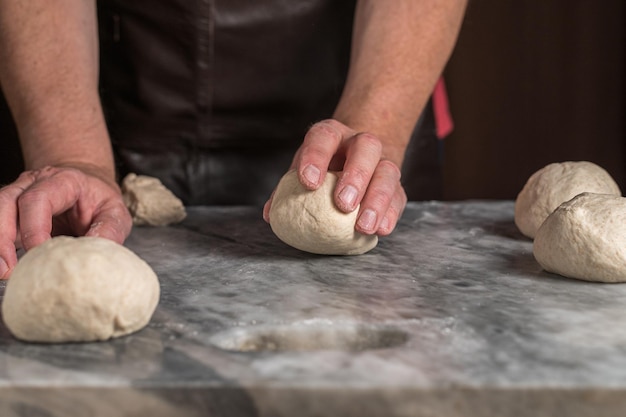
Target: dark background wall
x=10, y=153
x=534, y=82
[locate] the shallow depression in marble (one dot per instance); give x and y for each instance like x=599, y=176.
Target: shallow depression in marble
x=310, y=335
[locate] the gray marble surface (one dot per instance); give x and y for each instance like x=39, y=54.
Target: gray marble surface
x=449, y=316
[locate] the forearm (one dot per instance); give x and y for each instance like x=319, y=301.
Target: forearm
x=49, y=74
x=399, y=50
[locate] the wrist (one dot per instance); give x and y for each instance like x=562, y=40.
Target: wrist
x=82, y=145
x=97, y=162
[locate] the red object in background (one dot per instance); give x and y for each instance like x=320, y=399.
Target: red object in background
x=443, y=118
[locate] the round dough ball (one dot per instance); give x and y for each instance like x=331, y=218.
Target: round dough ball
x=310, y=221
x=554, y=184
x=585, y=238
x=77, y=290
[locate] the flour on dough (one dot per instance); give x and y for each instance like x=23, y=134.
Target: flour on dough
x=150, y=202
x=585, y=238
x=78, y=290
x=310, y=221
x=554, y=184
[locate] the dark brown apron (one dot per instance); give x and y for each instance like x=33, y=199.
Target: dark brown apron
x=214, y=96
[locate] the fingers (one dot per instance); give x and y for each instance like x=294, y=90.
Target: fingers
x=112, y=222
x=313, y=159
x=383, y=202
x=318, y=149
x=8, y=222
x=87, y=205
x=363, y=153
x=53, y=193
x=394, y=212
x=8, y=205
x=366, y=178
x=79, y=203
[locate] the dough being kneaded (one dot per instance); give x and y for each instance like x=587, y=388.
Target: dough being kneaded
x=78, y=290
x=554, y=184
x=150, y=202
x=310, y=221
x=585, y=238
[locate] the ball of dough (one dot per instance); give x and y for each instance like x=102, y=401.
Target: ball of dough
x=150, y=202
x=554, y=184
x=585, y=238
x=310, y=221
x=77, y=290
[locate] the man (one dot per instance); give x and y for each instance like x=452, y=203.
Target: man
x=49, y=72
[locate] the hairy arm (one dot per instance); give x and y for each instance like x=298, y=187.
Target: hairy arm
x=49, y=75
x=399, y=50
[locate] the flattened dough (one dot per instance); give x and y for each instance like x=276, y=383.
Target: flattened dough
x=310, y=221
x=585, y=238
x=150, y=202
x=554, y=184
x=78, y=290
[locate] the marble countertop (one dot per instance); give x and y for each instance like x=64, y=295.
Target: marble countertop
x=449, y=316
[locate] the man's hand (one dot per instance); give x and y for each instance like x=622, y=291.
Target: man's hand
x=398, y=52
x=367, y=178
x=58, y=200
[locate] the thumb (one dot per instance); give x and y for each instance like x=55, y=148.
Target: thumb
x=113, y=223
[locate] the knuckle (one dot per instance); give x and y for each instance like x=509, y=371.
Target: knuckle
x=312, y=151
x=65, y=174
x=398, y=203
x=394, y=210
x=403, y=202
x=328, y=127
x=47, y=170
x=28, y=175
x=390, y=168
x=30, y=197
x=40, y=173
x=332, y=123
x=9, y=193
x=358, y=175
x=369, y=141
x=379, y=199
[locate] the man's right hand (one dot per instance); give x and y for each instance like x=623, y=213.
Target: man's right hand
x=58, y=200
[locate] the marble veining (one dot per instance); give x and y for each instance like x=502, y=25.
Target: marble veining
x=449, y=316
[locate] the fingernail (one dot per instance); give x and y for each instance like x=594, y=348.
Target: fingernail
x=312, y=174
x=348, y=196
x=384, y=224
x=4, y=268
x=367, y=220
